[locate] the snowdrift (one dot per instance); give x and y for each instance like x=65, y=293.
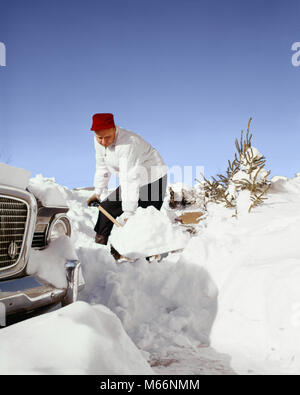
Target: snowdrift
x=235, y=286
x=255, y=263
x=78, y=339
x=245, y=272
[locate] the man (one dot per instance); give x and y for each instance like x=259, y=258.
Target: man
x=140, y=168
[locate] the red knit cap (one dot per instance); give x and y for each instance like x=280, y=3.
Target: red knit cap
x=103, y=121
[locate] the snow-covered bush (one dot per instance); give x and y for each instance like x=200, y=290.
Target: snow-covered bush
x=246, y=181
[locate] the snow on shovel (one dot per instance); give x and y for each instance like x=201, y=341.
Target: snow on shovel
x=158, y=255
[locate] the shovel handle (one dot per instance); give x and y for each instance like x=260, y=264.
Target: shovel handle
x=109, y=216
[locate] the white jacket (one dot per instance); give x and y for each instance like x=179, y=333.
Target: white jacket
x=133, y=160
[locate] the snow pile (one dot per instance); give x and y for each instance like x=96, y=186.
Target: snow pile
x=243, y=202
x=49, y=264
x=147, y=233
x=161, y=305
x=47, y=191
x=78, y=339
x=236, y=284
x=14, y=176
x=251, y=261
x=255, y=263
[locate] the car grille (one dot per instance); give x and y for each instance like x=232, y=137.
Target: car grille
x=13, y=218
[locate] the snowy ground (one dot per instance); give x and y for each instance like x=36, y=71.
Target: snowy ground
x=228, y=304
x=78, y=339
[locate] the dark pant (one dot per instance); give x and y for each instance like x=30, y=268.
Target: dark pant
x=150, y=195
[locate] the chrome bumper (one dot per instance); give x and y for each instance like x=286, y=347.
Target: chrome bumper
x=26, y=294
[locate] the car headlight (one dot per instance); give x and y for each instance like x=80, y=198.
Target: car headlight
x=60, y=226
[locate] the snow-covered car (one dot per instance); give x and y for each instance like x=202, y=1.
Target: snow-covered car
x=26, y=224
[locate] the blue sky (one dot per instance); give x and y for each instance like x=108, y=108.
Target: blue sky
x=184, y=74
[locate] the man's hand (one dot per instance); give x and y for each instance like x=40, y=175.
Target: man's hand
x=92, y=199
x=122, y=219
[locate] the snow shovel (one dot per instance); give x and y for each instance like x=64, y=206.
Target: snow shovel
x=116, y=254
